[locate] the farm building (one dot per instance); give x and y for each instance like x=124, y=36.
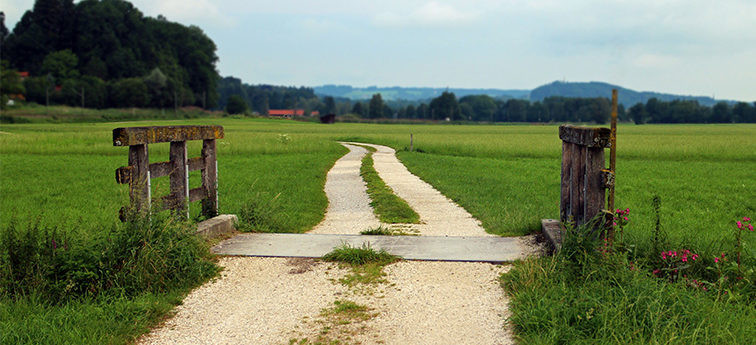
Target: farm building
x=285, y=113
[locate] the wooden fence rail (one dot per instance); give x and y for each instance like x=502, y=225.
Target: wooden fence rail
x=584, y=178
x=140, y=171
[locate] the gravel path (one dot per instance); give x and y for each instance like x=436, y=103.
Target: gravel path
x=272, y=300
x=349, y=210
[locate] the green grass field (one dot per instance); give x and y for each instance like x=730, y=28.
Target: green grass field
x=505, y=175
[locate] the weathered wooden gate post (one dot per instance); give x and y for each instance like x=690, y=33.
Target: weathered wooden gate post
x=139, y=172
x=584, y=178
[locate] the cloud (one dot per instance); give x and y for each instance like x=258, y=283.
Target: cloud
x=428, y=14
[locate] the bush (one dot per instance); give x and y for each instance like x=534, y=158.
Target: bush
x=236, y=105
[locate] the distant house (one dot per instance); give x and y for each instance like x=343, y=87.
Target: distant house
x=285, y=113
x=315, y=113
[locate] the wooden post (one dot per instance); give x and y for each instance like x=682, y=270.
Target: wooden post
x=179, y=175
x=209, y=178
x=583, y=180
x=412, y=148
x=139, y=190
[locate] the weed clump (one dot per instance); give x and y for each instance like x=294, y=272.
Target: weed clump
x=149, y=254
x=358, y=256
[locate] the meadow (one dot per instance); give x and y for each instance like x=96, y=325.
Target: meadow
x=62, y=176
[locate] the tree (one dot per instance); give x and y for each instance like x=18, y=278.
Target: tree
x=445, y=107
x=236, y=105
x=638, y=113
x=376, y=107
x=129, y=92
x=357, y=109
x=410, y=112
x=10, y=83
x=516, y=110
x=61, y=65
x=330, y=105
x=482, y=107
x=720, y=113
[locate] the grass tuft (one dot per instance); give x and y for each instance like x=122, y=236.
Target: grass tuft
x=357, y=256
x=387, y=206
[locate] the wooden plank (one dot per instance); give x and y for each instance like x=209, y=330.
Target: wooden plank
x=160, y=169
x=127, y=136
x=577, y=187
x=196, y=163
x=594, y=186
x=564, y=197
x=197, y=194
x=585, y=136
x=179, y=177
x=210, y=178
x=123, y=174
x=139, y=190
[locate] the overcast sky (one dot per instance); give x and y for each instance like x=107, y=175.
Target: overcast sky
x=691, y=47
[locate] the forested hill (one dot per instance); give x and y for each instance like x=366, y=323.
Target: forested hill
x=598, y=89
x=411, y=93
x=108, y=51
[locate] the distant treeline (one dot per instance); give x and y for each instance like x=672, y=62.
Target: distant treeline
x=260, y=98
x=687, y=111
x=488, y=109
x=554, y=109
x=105, y=53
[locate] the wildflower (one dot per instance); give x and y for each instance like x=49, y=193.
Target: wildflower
x=664, y=256
x=746, y=219
x=657, y=271
x=716, y=259
x=626, y=219
x=750, y=227
x=627, y=211
x=740, y=225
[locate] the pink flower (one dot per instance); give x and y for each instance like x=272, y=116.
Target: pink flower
x=684, y=259
x=626, y=218
x=746, y=219
x=614, y=223
x=750, y=227
x=627, y=210
x=716, y=259
x=664, y=256
x=740, y=225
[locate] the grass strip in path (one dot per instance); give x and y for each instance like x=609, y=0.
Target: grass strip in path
x=387, y=206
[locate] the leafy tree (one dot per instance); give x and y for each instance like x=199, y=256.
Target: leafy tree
x=720, y=113
x=516, y=110
x=330, y=105
x=744, y=112
x=638, y=113
x=61, y=65
x=10, y=83
x=482, y=107
x=445, y=106
x=422, y=111
x=410, y=112
x=236, y=105
x=376, y=107
x=129, y=92
x=357, y=109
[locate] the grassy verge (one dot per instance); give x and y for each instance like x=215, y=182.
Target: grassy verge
x=592, y=292
x=387, y=206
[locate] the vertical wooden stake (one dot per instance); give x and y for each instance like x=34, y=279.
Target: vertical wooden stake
x=140, y=182
x=411, y=143
x=612, y=160
x=179, y=181
x=210, y=179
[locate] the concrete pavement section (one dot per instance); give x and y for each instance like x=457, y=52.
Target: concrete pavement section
x=430, y=248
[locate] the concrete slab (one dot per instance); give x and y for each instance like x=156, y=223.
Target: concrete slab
x=429, y=248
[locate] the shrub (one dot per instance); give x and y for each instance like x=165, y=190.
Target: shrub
x=154, y=253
